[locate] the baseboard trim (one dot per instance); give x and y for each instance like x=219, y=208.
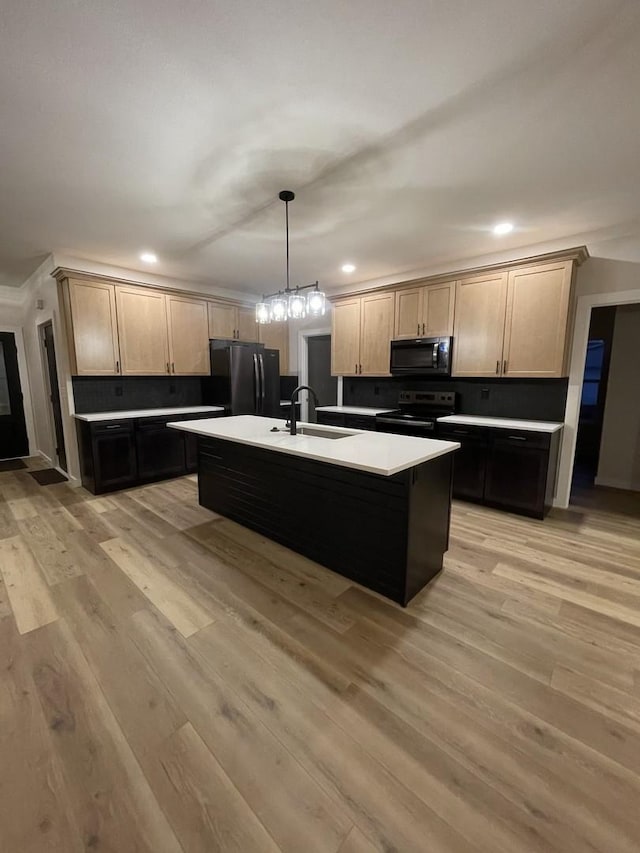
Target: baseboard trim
x=612, y=483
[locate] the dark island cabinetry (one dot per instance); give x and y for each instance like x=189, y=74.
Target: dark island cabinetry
x=387, y=533
x=509, y=469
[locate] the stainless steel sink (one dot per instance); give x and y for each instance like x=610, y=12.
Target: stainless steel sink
x=318, y=432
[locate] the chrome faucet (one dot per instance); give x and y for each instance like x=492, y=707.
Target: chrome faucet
x=292, y=416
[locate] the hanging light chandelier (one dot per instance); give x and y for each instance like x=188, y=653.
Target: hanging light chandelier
x=291, y=303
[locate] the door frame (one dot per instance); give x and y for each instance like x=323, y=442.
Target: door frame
x=303, y=365
x=25, y=385
x=576, y=376
x=55, y=462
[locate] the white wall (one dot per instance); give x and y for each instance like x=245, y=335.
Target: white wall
x=619, y=464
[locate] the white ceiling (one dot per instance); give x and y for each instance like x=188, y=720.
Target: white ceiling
x=406, y=128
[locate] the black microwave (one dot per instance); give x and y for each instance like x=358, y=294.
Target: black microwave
x=421, y=357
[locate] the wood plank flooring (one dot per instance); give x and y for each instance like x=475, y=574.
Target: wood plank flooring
x=172, y=682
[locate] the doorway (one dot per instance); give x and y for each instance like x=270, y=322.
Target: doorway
x=13, y=428
x=607, y=456
x=314, y=369
x=53, y=390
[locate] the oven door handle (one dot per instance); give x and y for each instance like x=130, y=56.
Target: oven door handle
x=404, y=423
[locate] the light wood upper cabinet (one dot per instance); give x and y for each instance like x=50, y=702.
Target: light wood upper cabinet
x=142, y=324
x=93, y=330
x=232, y=322
x=409, y=304
x=438, y=304
x=246, y=325
x=222, y=320
x=479, y=325
x=188, y=336
x=425, y=311
x=276, y=336
x=362, y=329
x=376, y=331
x=536, y=320
x=345, y=337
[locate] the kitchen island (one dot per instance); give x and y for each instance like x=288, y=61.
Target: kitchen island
x=374, y=507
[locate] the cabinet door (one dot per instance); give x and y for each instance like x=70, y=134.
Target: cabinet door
x=409, y=311
x=114, y=458
x=188, y=336
x=524, y=492
x=438, y=301
x=276, y=336
x=222, y=320
x=376, y=331
x=95, y=330
x=247, y=327
x=345, y=337
x=142, y=327
x=469, y=462
x=536, y=323
x=479, y=325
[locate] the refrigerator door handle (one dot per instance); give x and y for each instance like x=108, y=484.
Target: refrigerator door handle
x=256, y=376
x=262, y=383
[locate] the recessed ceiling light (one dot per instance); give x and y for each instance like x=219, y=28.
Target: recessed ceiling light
x=503, y=228
x=348, y=267
x=148, y=257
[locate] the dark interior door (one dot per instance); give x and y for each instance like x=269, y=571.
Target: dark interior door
x=13, y=429
x=50, y=350
x=323, y=383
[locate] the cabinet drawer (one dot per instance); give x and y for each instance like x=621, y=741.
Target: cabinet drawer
x=331, y=419
x=359, y=422
x=522, y=438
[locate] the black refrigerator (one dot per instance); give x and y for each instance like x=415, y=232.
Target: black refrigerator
x=245, y=379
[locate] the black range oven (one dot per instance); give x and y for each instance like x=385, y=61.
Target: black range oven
x=418, y=413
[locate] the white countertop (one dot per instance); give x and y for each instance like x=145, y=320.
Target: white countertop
x=364, y=450
x=147, y=413
x=353, y=410
x=501, y=423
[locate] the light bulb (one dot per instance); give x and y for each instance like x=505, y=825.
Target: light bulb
x=297, y=306
x=262, y=313
x=503, y=228
x=316, y=303
x=278, y=309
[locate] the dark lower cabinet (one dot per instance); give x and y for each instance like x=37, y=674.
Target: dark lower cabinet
x=340, y=419
x=513, y=470
x=129, y=452
x=108, y=456
x=161, y=451
x=470, y=462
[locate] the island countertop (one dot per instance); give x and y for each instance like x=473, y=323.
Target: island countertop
x=377, y=453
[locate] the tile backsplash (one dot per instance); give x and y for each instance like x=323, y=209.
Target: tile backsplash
x=539, y=399
x=115, y=393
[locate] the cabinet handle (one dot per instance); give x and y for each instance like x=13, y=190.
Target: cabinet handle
x=173, y=367
x=423, y=328
x=418, y=332
x=168, y=371
x=498, y=366
x=504, y=366
x=517, y=437
x=117, y=367
x=360, y=368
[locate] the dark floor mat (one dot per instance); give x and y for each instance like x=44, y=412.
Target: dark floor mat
x=48, y=476
x=12, y=465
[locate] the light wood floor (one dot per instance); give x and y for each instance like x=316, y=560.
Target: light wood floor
x=172, y=682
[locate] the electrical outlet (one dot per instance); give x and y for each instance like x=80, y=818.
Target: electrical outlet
x=119, y=391
x=172, y=389
x=484, y=393
x=376, y=390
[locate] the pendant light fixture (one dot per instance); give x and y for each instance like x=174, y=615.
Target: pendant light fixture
x=290, y=303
